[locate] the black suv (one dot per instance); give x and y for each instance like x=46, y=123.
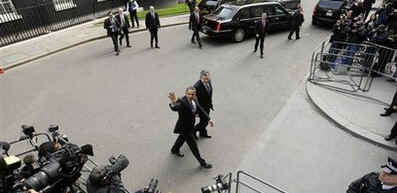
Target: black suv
x=327, y=11
x=237, y=21
x=208, y=6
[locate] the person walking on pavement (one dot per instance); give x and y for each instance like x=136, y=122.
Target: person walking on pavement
x=296, y=22
x=191, y=4
x=393, y=133
x=113, y=26
x=204, y=97
x=187, y=108
x=261, y=33
x=152, y=22
x=132, y=7
x=196, y=26
x=124, y=26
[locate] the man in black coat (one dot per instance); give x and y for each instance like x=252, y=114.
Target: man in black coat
x=191, y=4
x=392, y=108
x=296, y=22
x=113, y=26
x=152, y=22
x=261, y=33
x=196, y=26
x=204, y=97
x=124, y=25
x=187, y=108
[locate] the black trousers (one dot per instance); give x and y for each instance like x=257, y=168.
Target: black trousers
x=260, y=39
x=393, y=102
x=188, y=138
x=115, y=42
x=201, y=126
x=125, y=33
x=190, y=20
x=196, y=35
x=296, y=31
x=133, y=17
x=153, y=36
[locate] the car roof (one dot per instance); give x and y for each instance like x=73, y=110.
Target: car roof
x=249, y=3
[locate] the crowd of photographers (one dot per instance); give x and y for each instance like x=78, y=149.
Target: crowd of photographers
x=358, y=24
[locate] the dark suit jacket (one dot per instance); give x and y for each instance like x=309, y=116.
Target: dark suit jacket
x=296, y=20
x=260, y=29
x=203, y=97
x=108, y=26
x=152, y=23
x=127, y=23
x=196, y=25
x=186, y=118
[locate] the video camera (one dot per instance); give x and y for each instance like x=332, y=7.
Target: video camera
x=221, y=184
x=57, y=172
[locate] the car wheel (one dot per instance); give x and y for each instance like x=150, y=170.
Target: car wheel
x=239, y=35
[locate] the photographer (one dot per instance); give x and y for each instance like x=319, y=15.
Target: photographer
x=107, y=179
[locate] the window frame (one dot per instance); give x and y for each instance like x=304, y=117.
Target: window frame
x=8, y=16
x=59, y=5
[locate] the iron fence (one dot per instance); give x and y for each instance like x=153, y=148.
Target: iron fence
x=21, y=20
x=351, y=66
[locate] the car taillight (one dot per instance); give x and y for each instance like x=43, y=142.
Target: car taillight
x=218, y=27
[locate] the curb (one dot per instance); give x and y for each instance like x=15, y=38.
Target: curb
x=8, y=67
x=346, y=126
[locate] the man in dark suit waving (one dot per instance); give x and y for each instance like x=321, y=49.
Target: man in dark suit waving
x=152, y=22
x=187, y=108
x=204, y=97
x=124, y=25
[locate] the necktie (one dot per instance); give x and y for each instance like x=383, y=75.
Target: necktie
x=207, y=86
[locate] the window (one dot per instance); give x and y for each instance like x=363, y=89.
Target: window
x=278, y=11
x=244, y=14
x=8, y=11
x=64, y=4
x=107, y=0
x=256, y=11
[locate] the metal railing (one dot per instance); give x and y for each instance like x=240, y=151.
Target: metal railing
x=256, y=182
x=350, y=66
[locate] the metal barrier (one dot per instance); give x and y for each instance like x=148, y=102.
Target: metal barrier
x=240, y=183
x=350, y=66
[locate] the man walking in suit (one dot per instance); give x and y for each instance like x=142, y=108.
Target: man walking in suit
x=196, y=26
x=132, y=7
x=296, y=22
x=113, y=26
x=187, y=108
x=204, y=97
x=261, y=33
x=393, y=133
x=152, y=22
x=124, y=25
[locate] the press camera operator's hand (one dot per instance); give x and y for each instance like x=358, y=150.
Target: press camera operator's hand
x=172, y=97
x=211, y=123
x=32, y=191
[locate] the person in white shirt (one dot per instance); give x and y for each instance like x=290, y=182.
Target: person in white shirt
x=132, y=7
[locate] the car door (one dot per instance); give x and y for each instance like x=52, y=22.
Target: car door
x=256, y=15
x=243, y=18
x=281, y=16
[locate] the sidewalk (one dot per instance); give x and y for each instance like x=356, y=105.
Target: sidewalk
x=358, y=112
x=26, y=51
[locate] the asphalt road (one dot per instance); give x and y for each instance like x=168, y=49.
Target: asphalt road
x=120, y=104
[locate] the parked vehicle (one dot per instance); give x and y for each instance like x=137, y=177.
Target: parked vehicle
x=208, y=6
x=327, y=11
x=238, y=20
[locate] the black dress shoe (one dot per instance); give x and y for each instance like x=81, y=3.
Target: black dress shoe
x=195, y=137
x=206, y=165
x=158, y=47
x=385, y=114
x=128, y=46
x=117, y=53
x=389, y=137
x=179, y=154
x=205, y=136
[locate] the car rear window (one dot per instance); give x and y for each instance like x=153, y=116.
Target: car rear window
x=224, y=13
x=334, y=4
